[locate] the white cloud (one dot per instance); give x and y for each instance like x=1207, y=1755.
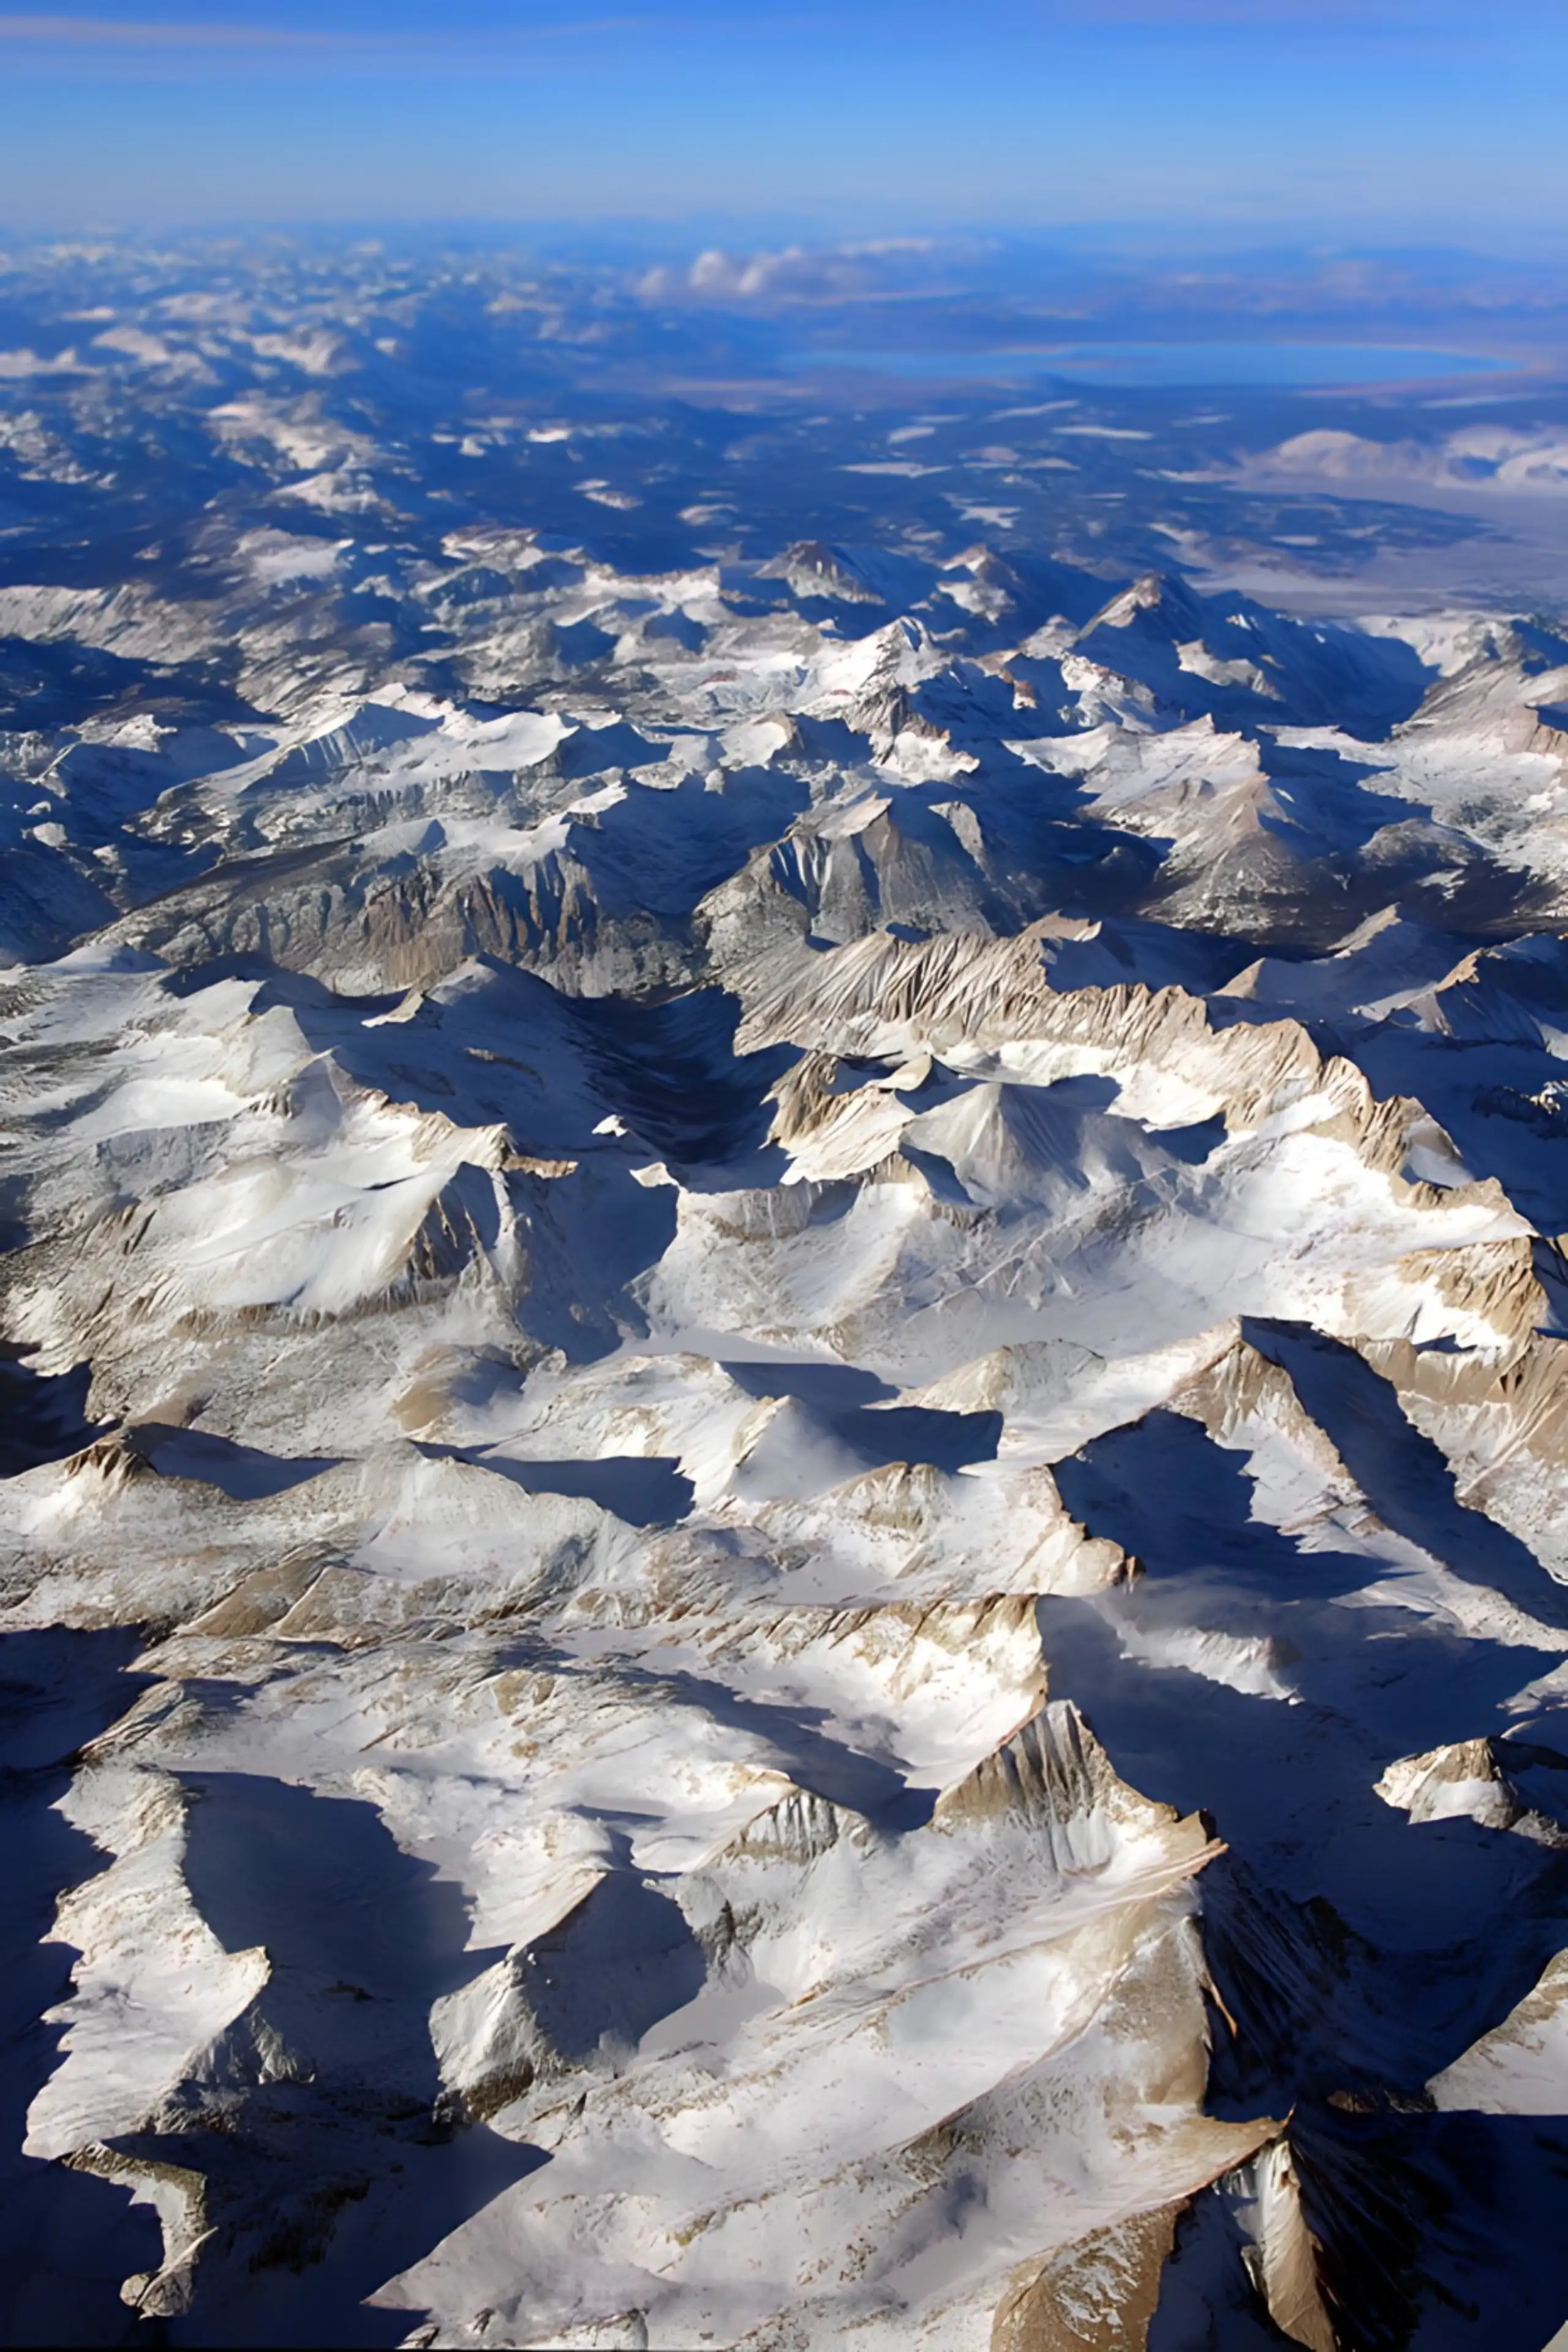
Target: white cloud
x=802, y=274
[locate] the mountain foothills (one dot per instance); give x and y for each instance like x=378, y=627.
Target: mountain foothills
x=786, y=1520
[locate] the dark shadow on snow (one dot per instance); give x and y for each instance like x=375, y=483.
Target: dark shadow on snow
x=646, y=1490
x=67, y=2238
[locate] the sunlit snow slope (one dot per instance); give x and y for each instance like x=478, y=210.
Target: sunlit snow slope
x=785, y=1496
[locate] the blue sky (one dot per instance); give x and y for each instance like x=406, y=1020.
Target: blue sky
x=1362, y=120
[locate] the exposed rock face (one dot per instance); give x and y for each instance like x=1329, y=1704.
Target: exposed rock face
x=784, y=1520
x=1095, y=2296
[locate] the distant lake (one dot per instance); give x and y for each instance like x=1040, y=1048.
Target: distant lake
x=1213, y=365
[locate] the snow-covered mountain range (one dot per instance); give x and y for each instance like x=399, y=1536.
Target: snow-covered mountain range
x=784, y=1523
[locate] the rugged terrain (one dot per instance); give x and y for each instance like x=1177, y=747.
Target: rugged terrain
x=786, y=1520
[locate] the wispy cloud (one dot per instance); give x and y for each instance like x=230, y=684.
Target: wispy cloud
x=113, y=34
x=1265, y=16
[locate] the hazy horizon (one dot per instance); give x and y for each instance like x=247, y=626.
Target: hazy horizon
x=1210, y=118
